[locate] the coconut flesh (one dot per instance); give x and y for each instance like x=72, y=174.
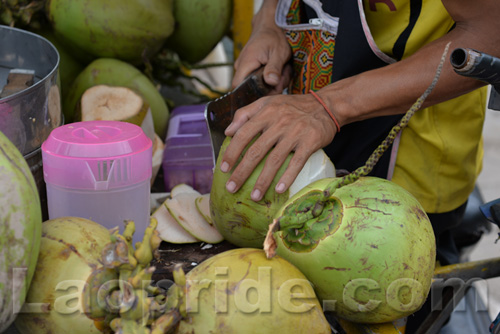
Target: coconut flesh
x=184, y=217
x=116, y=73
x=244, y=222
x=118, y=103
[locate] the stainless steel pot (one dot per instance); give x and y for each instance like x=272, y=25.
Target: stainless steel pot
x=28, y=116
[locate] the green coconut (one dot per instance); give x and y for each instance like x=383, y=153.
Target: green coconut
x=199, y=26
x=369, y=250
x=70, y=63
x=244, y=222
x=132, y=32
x=365, y=243
x=70, y=253
x=20, y=230
x=114, y=72
x=241, y=291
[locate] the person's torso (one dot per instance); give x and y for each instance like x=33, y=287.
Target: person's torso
x=433, y=163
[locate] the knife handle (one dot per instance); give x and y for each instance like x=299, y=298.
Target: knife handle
x=260, y=86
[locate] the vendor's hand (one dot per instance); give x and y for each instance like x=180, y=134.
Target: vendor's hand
x=286, y=123
x=267, y=47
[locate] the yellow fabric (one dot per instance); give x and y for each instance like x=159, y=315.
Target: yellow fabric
x=440, y=153
x=243, y=11
x=387, y=19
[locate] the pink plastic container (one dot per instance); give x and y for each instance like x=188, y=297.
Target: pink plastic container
x=99, y=170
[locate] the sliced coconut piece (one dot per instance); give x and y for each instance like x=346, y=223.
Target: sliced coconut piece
x=156, y=200
x=183, y=188
x=203, y=206
x=169, y=229
x=116, y=103
x=183, y=208
x=158, y=148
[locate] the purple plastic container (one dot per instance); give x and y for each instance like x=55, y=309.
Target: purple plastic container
x=99, y=170
x=187, y=157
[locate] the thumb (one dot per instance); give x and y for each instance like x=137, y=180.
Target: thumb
x=272, y=74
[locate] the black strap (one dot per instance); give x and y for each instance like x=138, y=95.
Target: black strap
x=400, y=45
x=356, y=141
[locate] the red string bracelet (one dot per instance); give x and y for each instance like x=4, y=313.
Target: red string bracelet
x=327, y=110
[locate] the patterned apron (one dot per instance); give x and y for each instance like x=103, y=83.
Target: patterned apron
x=331, y=41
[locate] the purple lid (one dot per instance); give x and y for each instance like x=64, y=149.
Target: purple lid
x=97, y=155
x=188, y=144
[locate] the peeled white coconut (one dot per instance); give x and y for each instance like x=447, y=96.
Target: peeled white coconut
x=203, y=206
x=168, y=228
x=318, y=166
x=183, y=208
x=183, y=188
x=116, y=103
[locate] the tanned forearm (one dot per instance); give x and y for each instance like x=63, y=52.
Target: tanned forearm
x=394, y=88
x=265, y=15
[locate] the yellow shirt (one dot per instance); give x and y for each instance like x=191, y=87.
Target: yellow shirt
x=440, y=153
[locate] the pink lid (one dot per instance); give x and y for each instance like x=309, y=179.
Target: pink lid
x=97, y=155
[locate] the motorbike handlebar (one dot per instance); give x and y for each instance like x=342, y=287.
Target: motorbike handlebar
x=480, y=66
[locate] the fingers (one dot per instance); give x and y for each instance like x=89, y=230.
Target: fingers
x=299, y=159
x=286, y=78
x=244, y=128
x=265, y=49
x=267, y=146
x=277, y=155
x=276, y=160
x=277, y=70
x=241, y=117
x=243, y=70
x=285, y=124
x=253, y=156
x=272, y=73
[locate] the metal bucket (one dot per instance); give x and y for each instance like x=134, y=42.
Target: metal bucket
x=28, y=116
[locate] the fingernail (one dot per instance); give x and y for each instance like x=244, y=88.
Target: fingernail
x=273, y=78
x=224, y=167
x=256, y=195
x=231, y=186
x=228, y=129
x=280, y=187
